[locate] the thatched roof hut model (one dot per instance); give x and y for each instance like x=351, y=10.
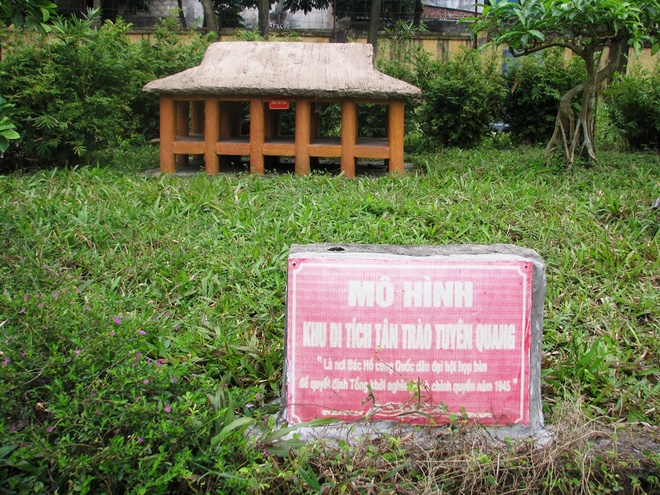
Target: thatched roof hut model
x=201, y=108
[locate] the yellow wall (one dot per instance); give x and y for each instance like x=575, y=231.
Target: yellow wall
x=442, y=45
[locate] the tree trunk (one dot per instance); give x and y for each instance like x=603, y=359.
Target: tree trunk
x=374, y=25
x=564, y=125
x=419, y=9
x=264, y=12
x=182, y=16
x=575, y=135
x=619, y=55
x=209, y=17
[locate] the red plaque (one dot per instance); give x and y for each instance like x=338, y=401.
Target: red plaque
x=417, y=340
x=278, y=104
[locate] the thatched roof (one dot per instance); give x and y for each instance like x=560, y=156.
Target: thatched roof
x=321, y=70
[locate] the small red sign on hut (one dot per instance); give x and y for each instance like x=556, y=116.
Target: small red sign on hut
x=278, y=104
x=409, y=339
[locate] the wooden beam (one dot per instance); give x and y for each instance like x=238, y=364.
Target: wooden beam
x=211, y=134
x=197, y=120
x=257, y=136
x=303, y=135
x=348, y=137
x=396, y=135
x=167, y=133
x=182, y=128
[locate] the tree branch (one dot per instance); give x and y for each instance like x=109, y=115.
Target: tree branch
x=609, y=70
x=561, y=44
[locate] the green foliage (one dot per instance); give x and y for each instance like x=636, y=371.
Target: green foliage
x=249, y=35
x=305, y=6
x=634, y=107
x=228, y=12
x=7, y=127
x=31, y=14
x=535, y=24
x=462, y=100
x=81, y=92
x=535, y=86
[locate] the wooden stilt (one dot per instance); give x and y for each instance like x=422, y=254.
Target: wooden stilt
x=257, y=136
x=197, y=121
x=182, y=128
x=348, y=137
x=167, y=133
x=211, y=134
x=396, y=136
x=303, y=135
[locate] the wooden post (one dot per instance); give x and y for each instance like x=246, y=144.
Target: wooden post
x=197, y=117
x=396, y=136
x=197, y=120
x=211, y=134
x=257, y=136
x=348, y=137
x=182, y=127
x=167, y=133
x=314, y=132
x=303, y=135
x=225, y=119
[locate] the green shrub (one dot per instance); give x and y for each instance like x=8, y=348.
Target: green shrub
x=463, y=100
x=634, y=107
x=108, y=403
x=535, y=86
x=81, y=92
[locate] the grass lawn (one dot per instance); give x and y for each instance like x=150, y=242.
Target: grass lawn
x=142, y=319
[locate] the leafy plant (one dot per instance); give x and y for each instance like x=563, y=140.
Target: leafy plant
x=462, y=100
x=31, y=14
x=81, y=92
x=7, y=127
x=535, y=85
x=634, y=107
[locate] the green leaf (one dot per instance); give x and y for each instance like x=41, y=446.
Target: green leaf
x=537, y=34
x=233, y=426
x=5, y=450
x=277, y=434
x=310, y=478
x=17, y=19
x=9, y=134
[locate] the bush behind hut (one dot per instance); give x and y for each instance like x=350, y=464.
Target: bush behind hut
x=80, y=93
